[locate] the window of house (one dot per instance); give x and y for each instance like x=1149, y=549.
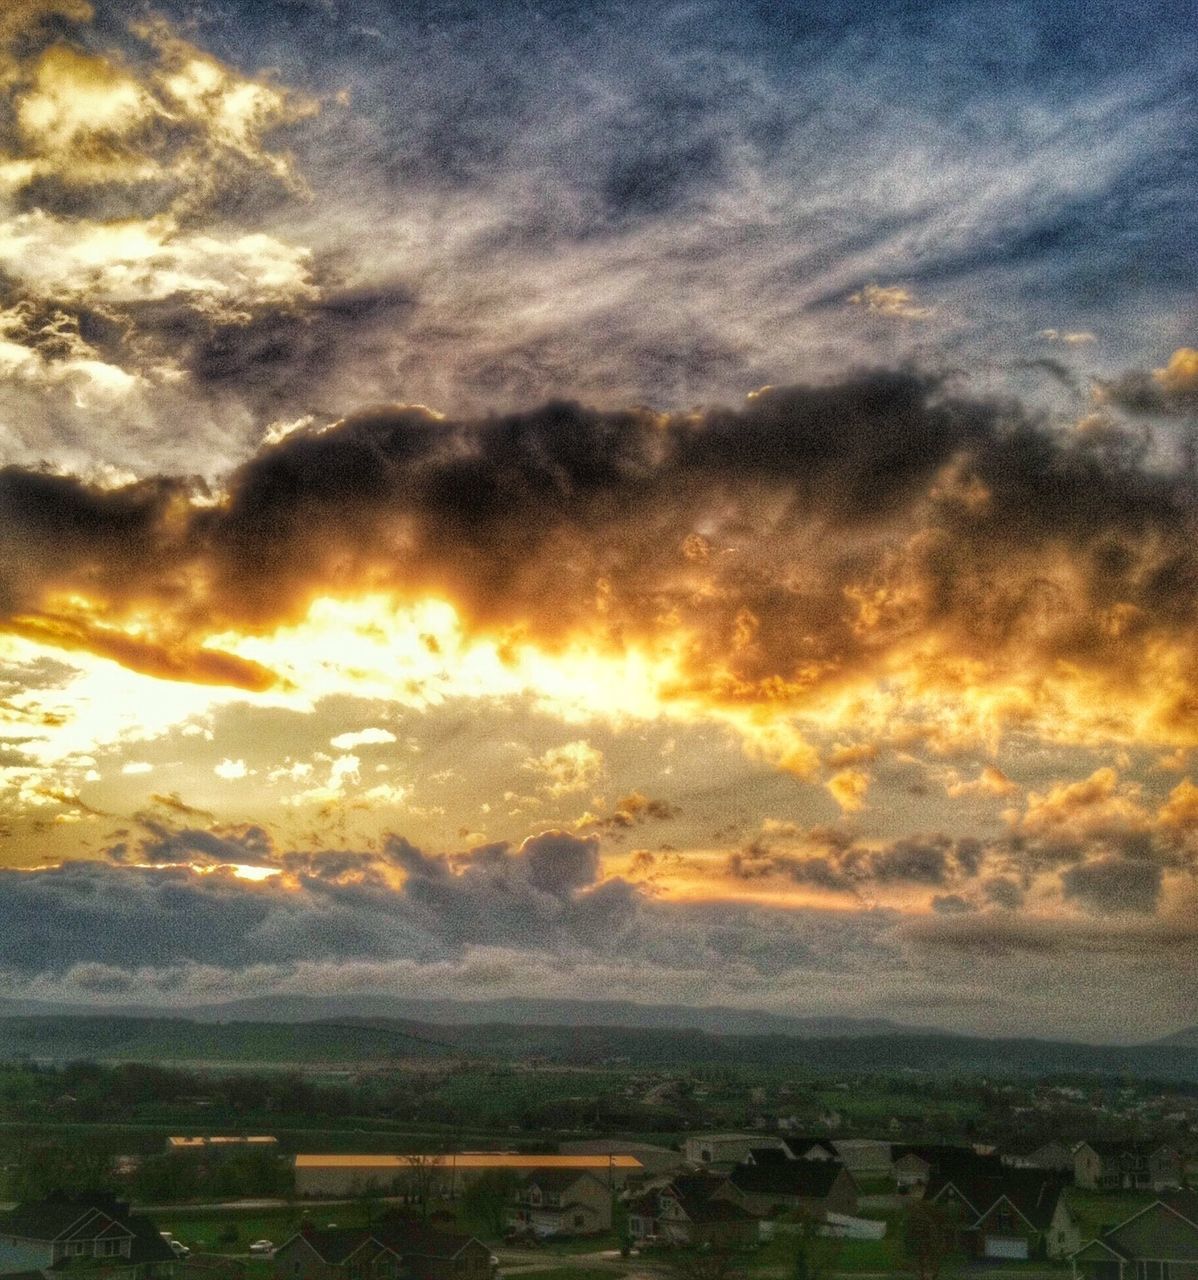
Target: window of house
x=579, y=1221
x=108, y=1248
x=75, y=1248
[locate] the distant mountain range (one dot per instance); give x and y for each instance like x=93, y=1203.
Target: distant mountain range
x=716, y=1019
x=1186, y=1038
x=299, y=1032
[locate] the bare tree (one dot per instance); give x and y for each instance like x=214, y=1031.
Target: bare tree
x=419, y=1180
x=929, y=1239
x=816, y=1251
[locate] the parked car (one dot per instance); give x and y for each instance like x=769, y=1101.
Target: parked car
x=262, y=1246
x=179, y=1249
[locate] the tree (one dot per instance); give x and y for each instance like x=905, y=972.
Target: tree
x=816, y=1252
x=487, y=1199
x=929, y=1239
x=418, y=1180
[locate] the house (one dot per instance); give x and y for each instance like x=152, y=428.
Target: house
x=1126, y=1166
x=391, y=1251
x=220, y=1145
x=803, y=1149
x=94, y=1232
x=917, y=1165
x=1159, y=1242
x=1055, y=1156
x=1019, y=1214
x=863, y=1157
x=725, y=1148
x=687, y=1211
x=441, y=1174
x=561, y=1202
x=318, y=1255
x=769, y=1186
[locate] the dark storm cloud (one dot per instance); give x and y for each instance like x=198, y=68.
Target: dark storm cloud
x=1146, y=941
x=542, y=898
x=845, y=864
x=1003, y=892
x=952, y=904
x=1114, y=884
x=1170, y=392
x=275, y=354
x=960, y=519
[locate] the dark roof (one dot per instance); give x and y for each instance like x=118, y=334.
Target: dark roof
x=768, y=1156
x=808, y=1179
x=414, y=1239
x=1113, y=1150
x=948, y=1159
x=695, y=1192
x=148, y=1244
x=800, y=1145
x=48, y=1219
x=1183, y=1202
x=54, y=1217
x=1028, y=1190
x=334, y=1244
x=557, y=1180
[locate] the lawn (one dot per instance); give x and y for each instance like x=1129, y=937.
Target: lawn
x=232, y=1230
x=850, y=1256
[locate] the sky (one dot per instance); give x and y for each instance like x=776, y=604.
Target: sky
x=690, y=503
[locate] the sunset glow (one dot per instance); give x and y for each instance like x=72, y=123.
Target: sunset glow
x=705, y=504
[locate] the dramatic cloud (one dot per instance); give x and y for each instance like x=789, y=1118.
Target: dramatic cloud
x=1114, y=884
x=725, y=474
x=881, y=529
x=1172, y=390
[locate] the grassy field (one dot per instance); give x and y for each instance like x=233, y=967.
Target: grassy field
x=850, y=1256
x=233, y=1230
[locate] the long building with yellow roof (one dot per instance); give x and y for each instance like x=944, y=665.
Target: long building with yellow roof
x=346, y=1175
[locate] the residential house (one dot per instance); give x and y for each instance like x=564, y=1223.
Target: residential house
x=1127, y=1166
x=394, y=1250
x=561, y=1202
x=863, y=1157
x=318, y=1255
x=803, y=1149
x=725, y=1148
x=1055, y=1157
x=94, y=1232
x=687, y=1211
x=1158, y=1242
x=769, y=1186
x=1019, y=1214
x=916, y=1165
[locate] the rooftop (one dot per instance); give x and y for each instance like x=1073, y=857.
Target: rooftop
x=193, y=1143
x=469, y=1160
